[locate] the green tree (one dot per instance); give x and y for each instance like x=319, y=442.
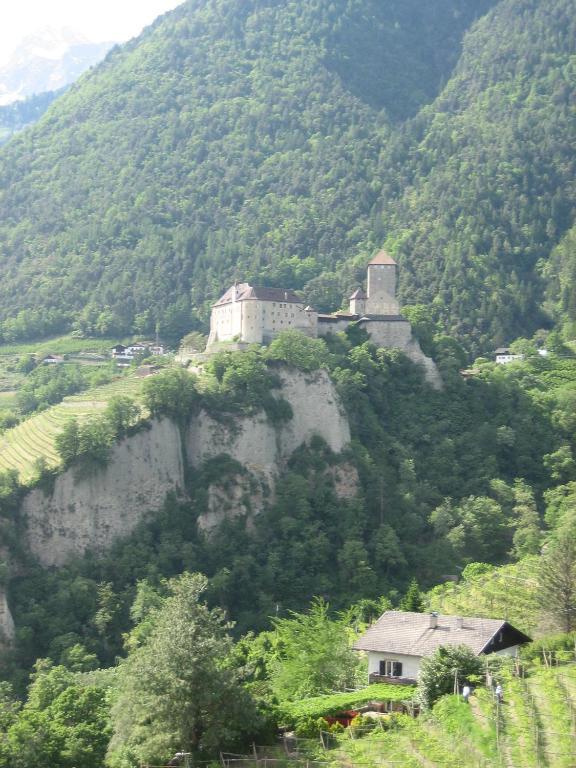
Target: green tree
x=445, y=671
x=171, y=393
x=527, y=536
x=121, y=413
x=557, y=578
x=313, y=656
x=68, y=442
x=412, y=600
x=177, y=690
x=64, y=723
x=299, y=350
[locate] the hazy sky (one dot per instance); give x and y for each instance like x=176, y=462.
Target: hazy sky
x=97, y=19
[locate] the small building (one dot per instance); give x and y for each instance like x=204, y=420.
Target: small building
x=120, y=351
x=399, y=640
x=505, y=355
x=138, y=348
x=53, y=360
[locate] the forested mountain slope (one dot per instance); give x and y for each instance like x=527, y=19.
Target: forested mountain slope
x=279, y=142
x=15, y=117
x=232, y=138
x=483, y=181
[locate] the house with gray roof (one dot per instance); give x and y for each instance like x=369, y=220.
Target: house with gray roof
x=399, y=640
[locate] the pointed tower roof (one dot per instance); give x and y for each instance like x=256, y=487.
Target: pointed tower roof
x=383, y=258
x=359, y=294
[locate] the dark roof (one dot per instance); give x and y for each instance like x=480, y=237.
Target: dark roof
x=244, y=292
x=359, y=293
x=381, y=318
x=383, y=258
x=502, y=351
x=335, y=318
x=411, y=633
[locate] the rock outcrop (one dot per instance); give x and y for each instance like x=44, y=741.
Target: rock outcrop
x=6, y=621
x=90, y=512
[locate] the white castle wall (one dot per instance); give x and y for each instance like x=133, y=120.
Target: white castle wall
x=253, y=321
x=382, y=290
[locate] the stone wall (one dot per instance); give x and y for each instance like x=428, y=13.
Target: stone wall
x=397, y=334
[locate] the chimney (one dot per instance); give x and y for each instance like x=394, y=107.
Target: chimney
x=433, y=620
x=459, y=622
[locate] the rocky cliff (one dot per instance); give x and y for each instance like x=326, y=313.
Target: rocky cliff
x=6, y=621
x=90, y=511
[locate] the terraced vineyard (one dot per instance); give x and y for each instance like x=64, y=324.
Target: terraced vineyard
x=535, y=726
x=33, y=439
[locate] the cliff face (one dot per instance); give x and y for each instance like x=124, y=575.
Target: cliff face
x=6, y=622
x=90, y=512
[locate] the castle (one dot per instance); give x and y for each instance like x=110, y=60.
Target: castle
x=247, y=314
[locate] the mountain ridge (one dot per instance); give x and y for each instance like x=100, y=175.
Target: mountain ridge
x=225, y=143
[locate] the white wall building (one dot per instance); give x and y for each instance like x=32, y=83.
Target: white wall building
x=504, y=355
x=247, y=314
x=256, y=315
x=399, y=640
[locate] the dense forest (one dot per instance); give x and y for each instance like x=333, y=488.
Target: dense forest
x=281, y=144
x=15, y=117
x=457, y=481
x=444, y=478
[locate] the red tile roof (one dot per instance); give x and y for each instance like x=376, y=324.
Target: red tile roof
x=382, y=258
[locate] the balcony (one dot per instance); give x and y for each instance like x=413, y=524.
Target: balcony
x=374, y=678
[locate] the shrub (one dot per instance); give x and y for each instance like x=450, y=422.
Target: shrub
x=294, y=348
x=448, y=665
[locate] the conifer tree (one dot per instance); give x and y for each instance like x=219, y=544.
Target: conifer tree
x=412, y=600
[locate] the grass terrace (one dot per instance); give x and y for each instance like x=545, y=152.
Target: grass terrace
x=34, y=439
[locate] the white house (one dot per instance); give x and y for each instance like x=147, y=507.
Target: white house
x=399, y=640
x=505, y=355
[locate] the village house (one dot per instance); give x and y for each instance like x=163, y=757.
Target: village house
x=124, y=355
x=504, y=355
x=399, y=640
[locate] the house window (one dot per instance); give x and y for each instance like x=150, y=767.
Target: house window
x=389, y=668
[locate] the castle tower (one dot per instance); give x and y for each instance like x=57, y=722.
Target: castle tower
x=382, y=275
x=358, y=302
